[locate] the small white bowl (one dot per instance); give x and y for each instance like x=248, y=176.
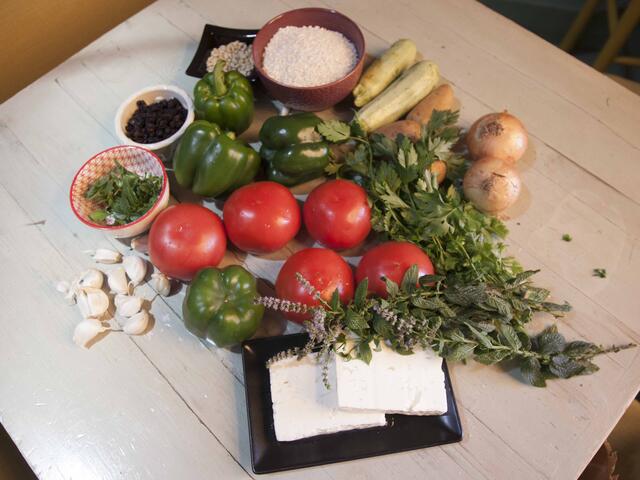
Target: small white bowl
x=134, y=159
x=155, y=93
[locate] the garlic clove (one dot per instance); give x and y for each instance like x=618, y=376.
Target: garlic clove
x=86, y=331
x=71, y=296
x=129, y=306
x=136, y=324
x=90, y=278
x=135, y=267
x=140, y=244
x=105, y=255
x=161, y=284
x=62, y=286
x=93, y=302
x=119, y=299
x=117, y=280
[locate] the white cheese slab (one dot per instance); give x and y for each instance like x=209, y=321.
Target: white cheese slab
x=304, y=407
x=393, y=383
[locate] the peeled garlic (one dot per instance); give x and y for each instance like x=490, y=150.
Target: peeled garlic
x=105, y=255
x=90, y=278
x=117, y=280
x=140, y=244
x=136, y=324
x=161, y=284
x=70, y=297
x=69, y=291
x=86, y=331
x=92, y=302
x=135, y=267
x=119, y=299
x=129, y=306
x=62, y=286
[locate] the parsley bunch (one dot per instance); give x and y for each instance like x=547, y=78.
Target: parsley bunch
x=481, y=301
x=408, y=205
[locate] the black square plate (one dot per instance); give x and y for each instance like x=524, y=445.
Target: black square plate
x=213, y=37
x=402, y=432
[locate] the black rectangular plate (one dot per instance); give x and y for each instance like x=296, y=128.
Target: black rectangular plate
x=213, y=37
x=402, y=432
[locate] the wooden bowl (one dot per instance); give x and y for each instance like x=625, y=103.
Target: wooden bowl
x=310, y=99
x=134, y=159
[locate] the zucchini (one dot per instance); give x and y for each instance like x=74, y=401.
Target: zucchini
x=399, y=97
x=384, y=70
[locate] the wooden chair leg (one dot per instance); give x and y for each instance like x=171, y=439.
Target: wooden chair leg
x=577, y=27
x=617, y=39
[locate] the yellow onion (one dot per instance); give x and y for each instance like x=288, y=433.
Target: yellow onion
x=499, y=135
x=491, y=184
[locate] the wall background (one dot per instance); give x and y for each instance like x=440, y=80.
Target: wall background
x=37, y=35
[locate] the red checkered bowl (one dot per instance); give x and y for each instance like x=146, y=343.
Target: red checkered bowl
x=134, y=159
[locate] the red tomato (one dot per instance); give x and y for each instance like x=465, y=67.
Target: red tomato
x=391, y=260
x=261, y=217
x=337, y=214
x=324, y=269
x=185, y=238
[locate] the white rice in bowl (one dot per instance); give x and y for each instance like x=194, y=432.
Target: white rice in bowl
x=308, y=56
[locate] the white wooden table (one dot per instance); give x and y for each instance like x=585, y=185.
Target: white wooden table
x=164, y=405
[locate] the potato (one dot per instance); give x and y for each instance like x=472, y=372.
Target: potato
x=439, y=169
x=439, y=99
x=408, y=128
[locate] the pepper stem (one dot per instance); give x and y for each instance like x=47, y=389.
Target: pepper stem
x=218, y=78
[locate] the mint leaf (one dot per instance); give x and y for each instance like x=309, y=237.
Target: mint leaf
x=510, y=335
x=355, y=321
x=410, y=279
x=532, y=372
x=392, y=287
x=550, y=341
x=334, y=303
x=460, y=352
x=364, y=352
x=564, y=367
x=360, y=296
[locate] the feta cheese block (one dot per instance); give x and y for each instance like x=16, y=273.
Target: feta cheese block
x=304, y=407
x=393, y=383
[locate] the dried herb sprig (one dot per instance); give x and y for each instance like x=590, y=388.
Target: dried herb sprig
x=484, y=321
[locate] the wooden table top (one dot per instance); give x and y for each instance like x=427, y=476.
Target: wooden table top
x=165, y=405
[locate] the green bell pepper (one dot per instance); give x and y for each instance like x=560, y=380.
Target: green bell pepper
x=292, y=148
x=219, y=305
x=225, y=99
x=211, y=162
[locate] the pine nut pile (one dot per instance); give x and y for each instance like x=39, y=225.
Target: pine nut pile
x=236, y=54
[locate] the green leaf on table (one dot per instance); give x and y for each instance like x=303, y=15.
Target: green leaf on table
x=531, y=371
x=492, y=357
x=550, y=341
x=578, y=348
x=460, y=351
x=510, y=336
x=564, y=367
x=482, y=337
